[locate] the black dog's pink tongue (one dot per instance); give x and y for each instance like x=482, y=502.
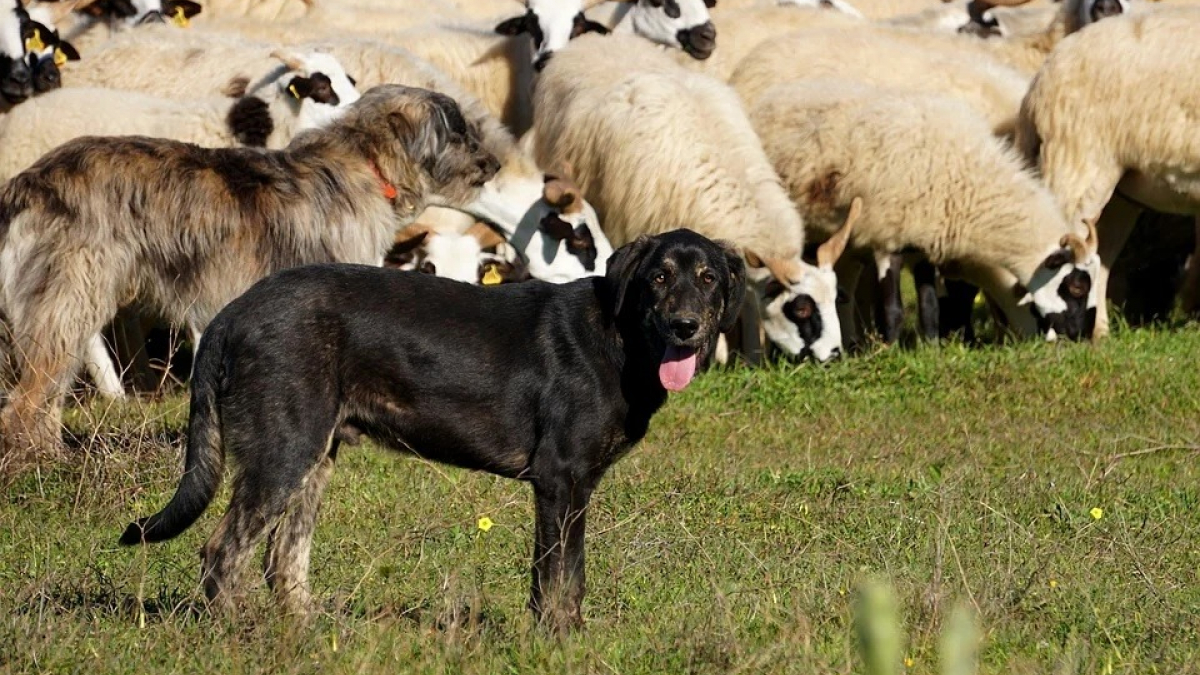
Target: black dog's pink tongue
x=677, y=369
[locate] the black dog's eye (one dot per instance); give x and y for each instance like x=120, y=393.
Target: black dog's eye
x=708, y=277
x=660, y=278
x=428, y=267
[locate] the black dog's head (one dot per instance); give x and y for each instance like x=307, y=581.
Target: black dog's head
x=676, y=292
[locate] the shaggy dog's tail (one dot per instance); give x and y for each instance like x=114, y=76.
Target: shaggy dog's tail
x=205, y=458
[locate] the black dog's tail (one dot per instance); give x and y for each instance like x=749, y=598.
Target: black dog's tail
x=205, y=458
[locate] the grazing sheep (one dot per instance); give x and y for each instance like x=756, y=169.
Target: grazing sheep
x=1111, y=121
x=679, y=24
x=656, y=147
x=933, y=180
x=462, y=257
x=46, y=50
x=104, y=221
x=311, y=94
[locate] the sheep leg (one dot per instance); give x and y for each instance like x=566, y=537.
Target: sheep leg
x=849, y=273
x=101, y=369
x=1190, y=292
x=957, y=309
x=889, y=308
x=1112, y=231
x=752, y=342
x=928, y=311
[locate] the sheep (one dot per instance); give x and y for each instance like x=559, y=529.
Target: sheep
x=656, y=147
x=679, y=24
x=16, y=77
x=462, y=257
x=95, y=22
x=310, y=94
x=933, y=179
x=1110, y=121
x=743, y=29
x=883, y=58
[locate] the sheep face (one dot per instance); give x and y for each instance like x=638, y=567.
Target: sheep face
x=551, y=24
x=1061, y=294
x=1091, y=11
x=321, y=87
x=456, y=256
x=46, y=50
x=801, y=318
x=16, y=77
x=683, y=24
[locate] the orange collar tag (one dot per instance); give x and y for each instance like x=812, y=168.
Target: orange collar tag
x=389, y=190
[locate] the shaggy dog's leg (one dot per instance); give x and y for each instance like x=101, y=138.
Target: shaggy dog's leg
x=101, y=369
x=290, y=544
x=30, y=423
x=558, y=555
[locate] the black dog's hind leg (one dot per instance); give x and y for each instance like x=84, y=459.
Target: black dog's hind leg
x=278, y=456
x=561, y=503
x=289, y=545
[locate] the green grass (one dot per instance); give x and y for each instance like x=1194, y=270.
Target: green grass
x=731, y=540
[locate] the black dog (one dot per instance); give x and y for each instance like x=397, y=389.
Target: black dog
x=545, y=383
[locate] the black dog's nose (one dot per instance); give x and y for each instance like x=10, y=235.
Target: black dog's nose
x=684, y=327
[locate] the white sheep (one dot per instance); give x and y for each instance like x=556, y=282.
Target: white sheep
x=309, y=93
x=933, y=179
x=1111, y=122
x=886, y=58
x=657, y=147
x=96, y=22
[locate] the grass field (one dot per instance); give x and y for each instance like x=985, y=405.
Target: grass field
x=1053, y=490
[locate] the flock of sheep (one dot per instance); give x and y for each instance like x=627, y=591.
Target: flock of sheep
x=1013, y=147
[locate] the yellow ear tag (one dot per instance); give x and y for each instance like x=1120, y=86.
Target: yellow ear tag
x=59, y=57
x=491, y=277
x=35, y=44
x=292, y=88
x=179, y=18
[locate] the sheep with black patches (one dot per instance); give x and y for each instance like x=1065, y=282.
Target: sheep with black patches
x=655, y=147
x=1111, y=122
x=934, y=180
x=98, y=21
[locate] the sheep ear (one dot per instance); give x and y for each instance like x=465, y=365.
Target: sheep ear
x=556, y=228
x=300, y=87
x=590, y=26
x=514, y=26
x=68, y=51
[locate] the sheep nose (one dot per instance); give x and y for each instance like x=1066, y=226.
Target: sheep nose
x=836, y=353
x=20, y=74
x=684, y=327
x=1106, y=8
x=698, y=41
x=154, y=16
x=48, y=78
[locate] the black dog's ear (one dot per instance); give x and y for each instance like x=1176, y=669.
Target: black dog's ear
x=514, y=26
x=623, y=266
x=735, y=291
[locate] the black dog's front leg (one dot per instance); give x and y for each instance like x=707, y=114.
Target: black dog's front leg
x=561, y=503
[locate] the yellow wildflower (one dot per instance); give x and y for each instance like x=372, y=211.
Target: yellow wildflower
x=485, y=524
x=908, y=662
x=1097, y=512
x=1054, y=583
